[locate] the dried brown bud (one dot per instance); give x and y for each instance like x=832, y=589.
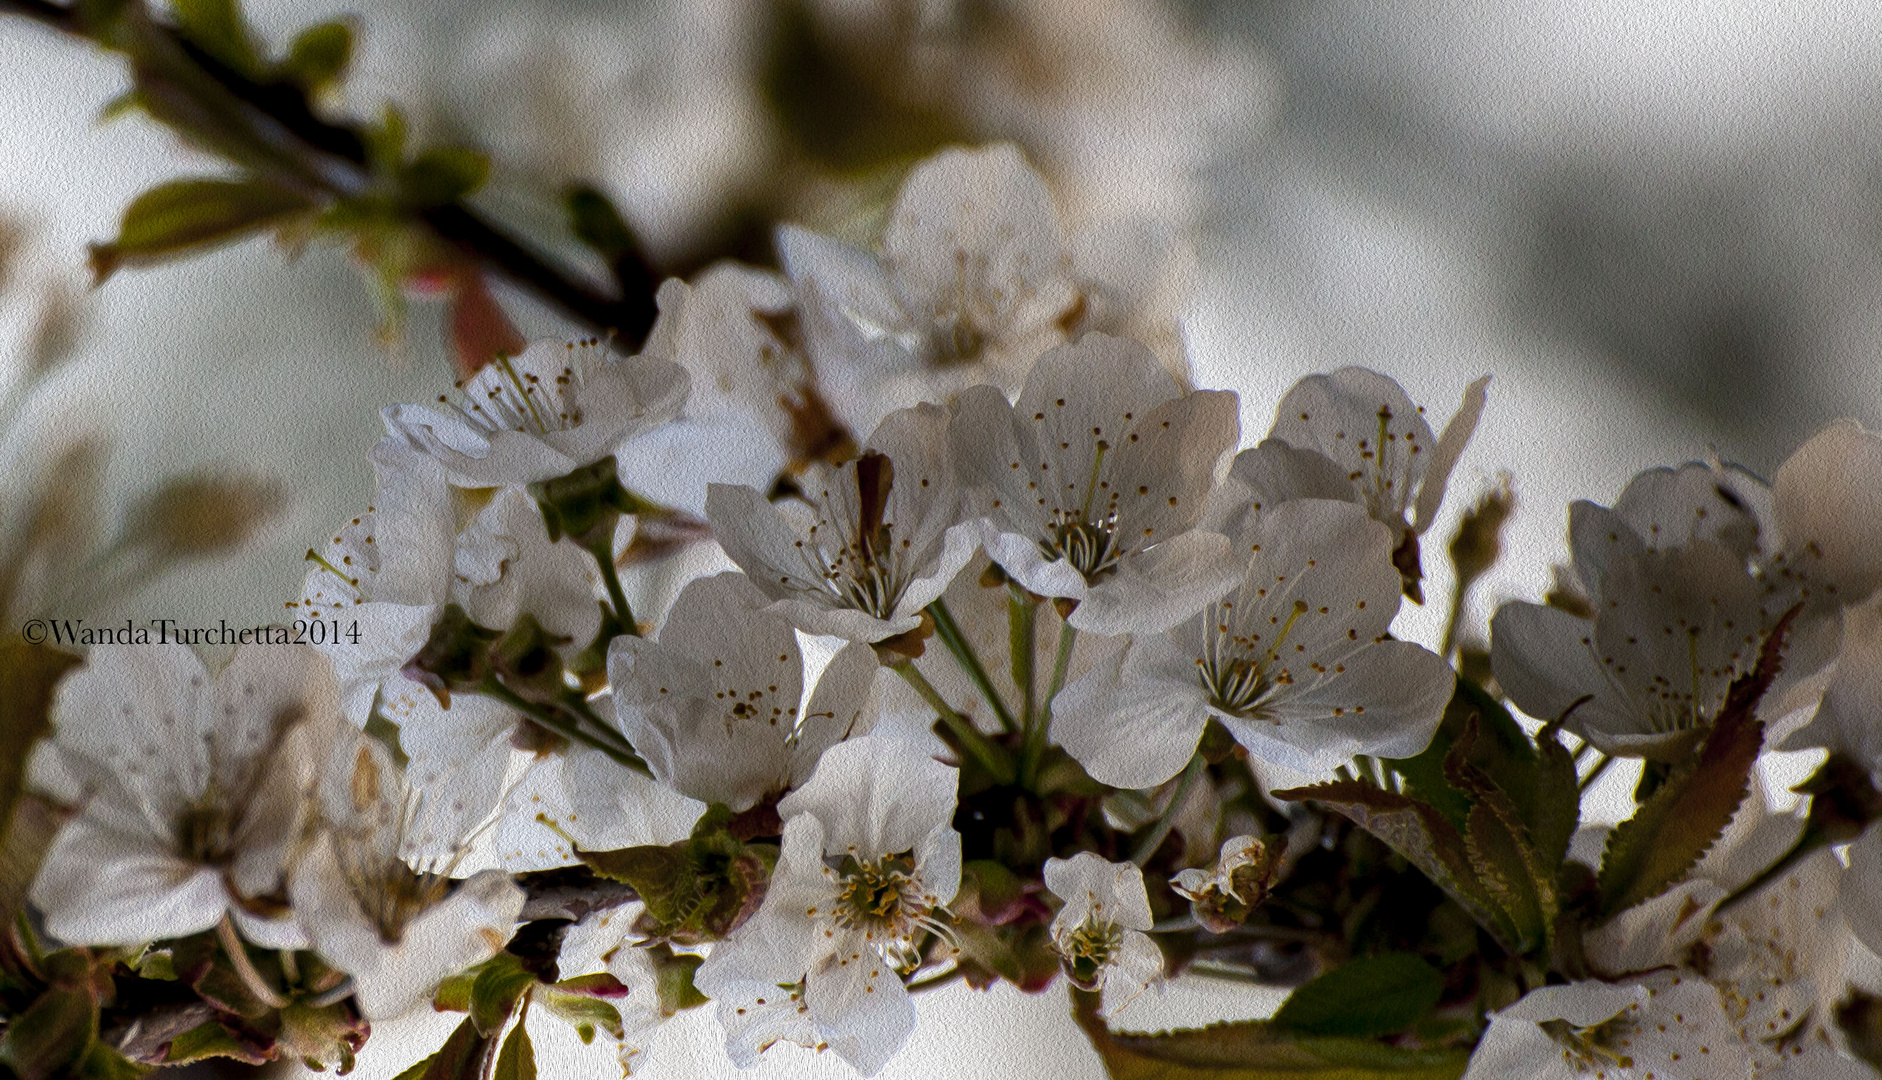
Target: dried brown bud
x=1478, y=543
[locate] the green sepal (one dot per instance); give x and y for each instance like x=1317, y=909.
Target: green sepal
x=52, y=1035
x=584, y=1013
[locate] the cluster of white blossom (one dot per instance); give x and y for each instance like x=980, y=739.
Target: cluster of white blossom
x=508, y=709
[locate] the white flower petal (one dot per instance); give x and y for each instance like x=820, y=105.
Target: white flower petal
x=1134, y=720
x=1156, y=589
x=99, y=887
x=1828, y=503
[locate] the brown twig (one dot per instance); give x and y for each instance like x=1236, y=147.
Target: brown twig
x=624, y=319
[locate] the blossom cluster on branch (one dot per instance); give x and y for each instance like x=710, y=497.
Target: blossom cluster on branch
x=1008, y=646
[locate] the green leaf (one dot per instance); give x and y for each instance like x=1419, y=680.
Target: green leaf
x=597, y=224
x=319, y=55
x=517, y=1059
x=51, y=1036
x=1653, y=850
x=444, y=174
x=182, y=216
x=460, y=1058
x=494, y=995
x=1363, y=998
x=210, y=1039
x=1422, y=835
x=216, y=27
x=1257, y=1050
x=1500, y=850
x=101, y=1062
x=1502, y=750
x=1556, y=809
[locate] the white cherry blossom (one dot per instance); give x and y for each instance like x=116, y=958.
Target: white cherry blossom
x=189, y=789
x=712, y=704
x=869, y=856
x=975, y=277
x=1828, y=504
x=880, y=538
x=375, y=887
x=1682, y=596
x=1094, y=482
x=1666, y=1026
x=387, y=572
x=1364, y=423
x=1099, y=932
x=545, y=412
x=1294, y=661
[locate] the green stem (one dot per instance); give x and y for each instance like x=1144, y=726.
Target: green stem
x=244, y=967
x=542, y=715
x=991, y=757
x=577, y=704
x=1022, y=625
x=950, y=634
x=1808, y=843
x=1033, y=747
x=603, y=553
x=1600, y=766
x=1167, y=819
x=934, y=982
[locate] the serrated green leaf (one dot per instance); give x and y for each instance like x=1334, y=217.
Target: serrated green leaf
x=101, y=1062
x=493, y=997
x=51, y=1036
x=216, y=26
x=444, y=174
x=1502, y=750
x=183, y=216
x=1363, y=998
x=517, y=1059
x=319, y=55
x=1422, y=835
x=1668, y=834
x=1257, y=1050
x=210, y=1039
x=1556, y=812
x=1500, y=850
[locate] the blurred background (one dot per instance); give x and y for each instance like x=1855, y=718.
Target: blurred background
x=1657, y=224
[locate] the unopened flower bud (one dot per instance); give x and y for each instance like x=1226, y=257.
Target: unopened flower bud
x=1222, y=899
x=1479, y=540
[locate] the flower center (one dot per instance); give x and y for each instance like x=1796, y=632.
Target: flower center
x=1591, y=1050
x=1237, y=668
x=883, y=899
x=1087, y=949
x=1091, y=547
x=503, y=397
x=203, y=834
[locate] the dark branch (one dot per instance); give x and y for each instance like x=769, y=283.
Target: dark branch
x=625, y=319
